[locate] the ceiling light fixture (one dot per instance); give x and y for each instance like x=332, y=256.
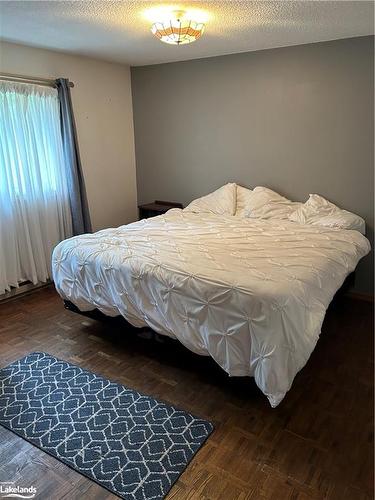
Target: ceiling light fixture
x=178, y=29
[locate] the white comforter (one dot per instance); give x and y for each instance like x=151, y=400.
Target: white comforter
x=252, y=294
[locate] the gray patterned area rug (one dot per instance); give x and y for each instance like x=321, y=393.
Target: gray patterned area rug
x=129, y=443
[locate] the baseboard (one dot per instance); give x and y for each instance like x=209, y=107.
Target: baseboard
x=366, y=297
x=22, y=290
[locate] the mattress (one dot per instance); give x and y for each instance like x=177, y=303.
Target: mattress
x=252, y=294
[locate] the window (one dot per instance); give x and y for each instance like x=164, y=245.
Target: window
x=34, y=199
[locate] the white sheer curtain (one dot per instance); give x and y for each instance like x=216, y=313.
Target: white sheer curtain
x=34, y=202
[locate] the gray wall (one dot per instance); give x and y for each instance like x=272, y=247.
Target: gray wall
x=296, y=119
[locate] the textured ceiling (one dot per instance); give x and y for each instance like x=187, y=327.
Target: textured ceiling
x=120, y=31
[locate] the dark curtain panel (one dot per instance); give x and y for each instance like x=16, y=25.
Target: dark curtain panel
x=77, y=191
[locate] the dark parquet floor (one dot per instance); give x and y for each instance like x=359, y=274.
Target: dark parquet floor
x=317, y=444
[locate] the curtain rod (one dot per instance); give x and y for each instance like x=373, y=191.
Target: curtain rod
x=30, y=79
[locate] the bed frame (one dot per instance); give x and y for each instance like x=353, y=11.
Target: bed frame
x=99, y=316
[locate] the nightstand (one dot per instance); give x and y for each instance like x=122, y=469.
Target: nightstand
x=157, y=208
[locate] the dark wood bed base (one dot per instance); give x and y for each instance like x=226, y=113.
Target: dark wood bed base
x=98, y=315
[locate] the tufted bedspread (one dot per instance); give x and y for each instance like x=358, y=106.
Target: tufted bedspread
x=250, y=293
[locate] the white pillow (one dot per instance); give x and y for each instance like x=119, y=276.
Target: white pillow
x=320, y=212
x=243, y=196
x=221, y=202
x=263, y=203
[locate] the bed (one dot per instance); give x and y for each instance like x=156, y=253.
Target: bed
x=251, y=293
